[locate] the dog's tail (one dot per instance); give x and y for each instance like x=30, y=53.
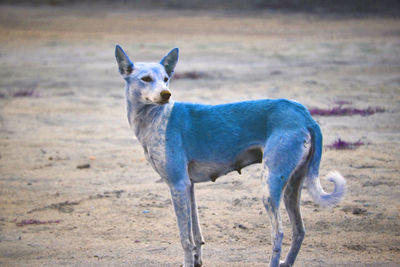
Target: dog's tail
x=313, y=184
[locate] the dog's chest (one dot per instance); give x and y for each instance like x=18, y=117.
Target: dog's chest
x=153, y=140
x=154, y=150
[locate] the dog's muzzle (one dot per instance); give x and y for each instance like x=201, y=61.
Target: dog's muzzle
x=165, y=95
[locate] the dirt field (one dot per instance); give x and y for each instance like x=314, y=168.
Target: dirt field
x=69, y=160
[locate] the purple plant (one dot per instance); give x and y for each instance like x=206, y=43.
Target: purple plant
x=340, y=144
x=26, y=93
x=33, y=221
x=345, y=111
x=193, y=75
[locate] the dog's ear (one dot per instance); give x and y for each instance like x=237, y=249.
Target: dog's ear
x=170, y=60
x=124, y=63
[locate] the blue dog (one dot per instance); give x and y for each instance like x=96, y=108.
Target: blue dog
x=190, y=143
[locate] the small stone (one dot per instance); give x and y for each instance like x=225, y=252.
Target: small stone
x=83, y=166
x=358, y=211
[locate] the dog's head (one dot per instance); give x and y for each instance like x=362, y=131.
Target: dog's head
x=147, y=82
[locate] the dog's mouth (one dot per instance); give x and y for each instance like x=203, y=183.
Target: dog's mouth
x=159, y=102
x=163, y=99
x=162, y=102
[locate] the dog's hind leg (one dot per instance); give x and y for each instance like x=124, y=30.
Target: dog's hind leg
x=292, y=199
x=283, y=152
x=198, y=237
x=181, y=200
x=271, y=203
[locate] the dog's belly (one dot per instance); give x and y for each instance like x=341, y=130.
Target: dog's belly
x=203, y=171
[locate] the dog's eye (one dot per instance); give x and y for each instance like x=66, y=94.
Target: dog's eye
x=166, y=79
x=147, y=79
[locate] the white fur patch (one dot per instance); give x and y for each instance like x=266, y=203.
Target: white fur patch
x=153, y=140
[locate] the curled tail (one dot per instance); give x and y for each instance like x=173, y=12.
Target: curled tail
x=314, y=187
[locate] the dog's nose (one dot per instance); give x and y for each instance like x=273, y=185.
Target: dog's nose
x=165, y=95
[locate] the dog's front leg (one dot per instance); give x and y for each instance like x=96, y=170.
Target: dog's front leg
x=180, y=193
x=198, y=237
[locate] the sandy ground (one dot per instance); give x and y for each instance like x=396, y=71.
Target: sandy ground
x=117, y=212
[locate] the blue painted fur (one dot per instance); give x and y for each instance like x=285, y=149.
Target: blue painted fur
x=189, y=143
x=218, y=134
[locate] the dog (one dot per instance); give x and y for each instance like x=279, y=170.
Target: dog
x=190, y=143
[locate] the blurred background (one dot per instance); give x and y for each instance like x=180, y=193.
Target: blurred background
x=339, y=6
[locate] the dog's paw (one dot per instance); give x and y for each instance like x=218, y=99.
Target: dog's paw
x=284, y=264
x=197, y=261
